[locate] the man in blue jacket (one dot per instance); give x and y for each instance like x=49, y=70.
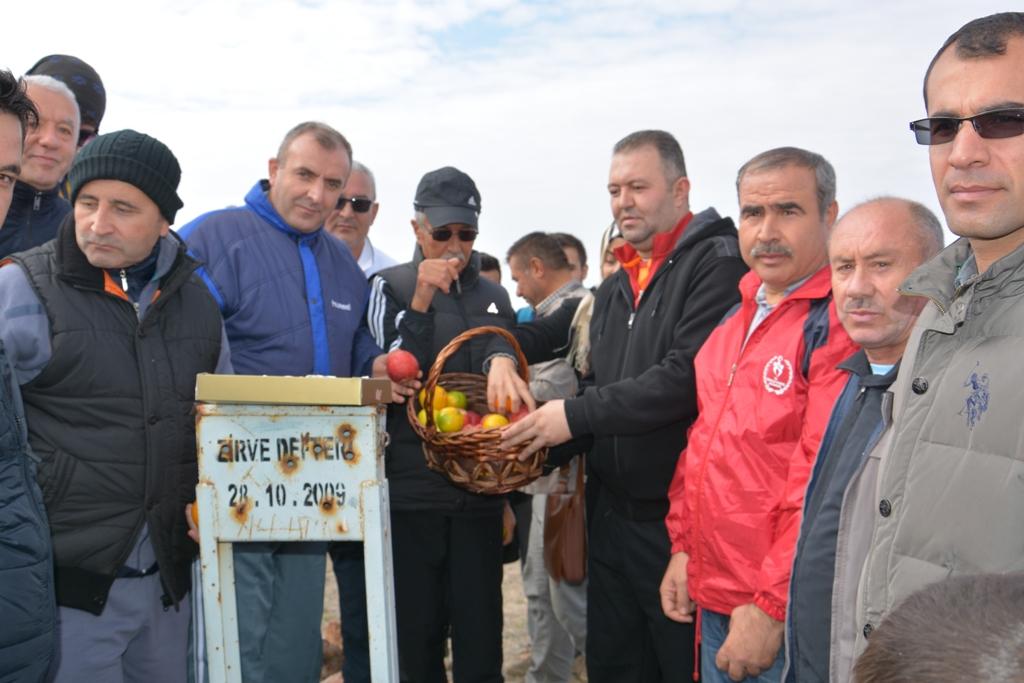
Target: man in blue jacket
x=294, y=303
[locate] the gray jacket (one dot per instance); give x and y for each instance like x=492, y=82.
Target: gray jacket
x=949, y=498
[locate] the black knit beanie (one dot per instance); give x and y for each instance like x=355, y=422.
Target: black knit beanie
x=134, y=158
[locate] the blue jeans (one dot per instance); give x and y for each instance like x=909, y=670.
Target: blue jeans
x=714, y=627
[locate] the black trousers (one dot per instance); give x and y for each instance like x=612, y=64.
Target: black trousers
x=448, y=572
x=629, y=638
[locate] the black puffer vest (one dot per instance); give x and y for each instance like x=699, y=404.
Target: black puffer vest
x=411, y=484
x=111, y=417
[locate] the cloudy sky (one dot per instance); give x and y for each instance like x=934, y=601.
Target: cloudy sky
x=526, y=97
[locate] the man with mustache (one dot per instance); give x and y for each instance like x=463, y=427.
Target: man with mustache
x=294, y=303
x=766, y=378
x=37, y=209
x=447, y=541
x=871, y=250
x=948, y=498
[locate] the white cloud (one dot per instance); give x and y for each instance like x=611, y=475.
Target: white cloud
x=526, y=97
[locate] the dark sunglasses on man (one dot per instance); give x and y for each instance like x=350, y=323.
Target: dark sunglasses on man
x=359, y=204
x=991, y=125
x=445, y=234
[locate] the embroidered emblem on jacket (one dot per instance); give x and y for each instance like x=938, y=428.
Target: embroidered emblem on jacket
x=777, y=375
x=976, y=402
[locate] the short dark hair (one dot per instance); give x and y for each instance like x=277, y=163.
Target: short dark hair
x=488, y=262
x=326, y=137
x=824, y=174
x=564, y=240
x=667, y=146
x=967, y=628
x=14, y=100
x=540, y=245
x=980, y=39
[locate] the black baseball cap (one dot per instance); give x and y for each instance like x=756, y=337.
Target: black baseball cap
x=448, y=195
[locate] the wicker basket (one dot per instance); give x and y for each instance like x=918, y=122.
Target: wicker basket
x=472, y=460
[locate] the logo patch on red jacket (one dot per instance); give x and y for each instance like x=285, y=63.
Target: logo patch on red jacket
x=777, y=375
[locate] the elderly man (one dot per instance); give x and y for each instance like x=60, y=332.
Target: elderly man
x=766, y=379
x=678, y=278
x=294, y=303
x=352, y=217
x=447, y=541
x=26, y=578
x=37, y=208
x=949, y=498
x=107, y=327
x=871, y=250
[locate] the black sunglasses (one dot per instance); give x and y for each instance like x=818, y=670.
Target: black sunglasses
x=445, y=234
x=359, y=204
x=1004, y=123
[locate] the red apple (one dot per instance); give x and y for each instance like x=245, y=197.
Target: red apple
x=402, y=366
x=519, y=414
x=473, y=418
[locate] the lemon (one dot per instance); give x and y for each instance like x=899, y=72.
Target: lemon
x=492, y=420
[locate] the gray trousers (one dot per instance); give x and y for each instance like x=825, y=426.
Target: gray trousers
x=556, y=611
x=279, y=590
x=134, y=639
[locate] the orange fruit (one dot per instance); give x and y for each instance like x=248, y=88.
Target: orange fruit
x=493, y=420
x=450, y=419
x=440, y=397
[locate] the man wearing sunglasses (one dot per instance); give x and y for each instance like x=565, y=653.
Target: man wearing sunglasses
x=37, y=208
x=352, y=217
x=949, y=495
x=447, y=541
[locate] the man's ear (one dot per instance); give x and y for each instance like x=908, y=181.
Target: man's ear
x=536, y=268
x=272, y=168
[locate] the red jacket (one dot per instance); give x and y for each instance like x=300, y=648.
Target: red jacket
x=738, y=487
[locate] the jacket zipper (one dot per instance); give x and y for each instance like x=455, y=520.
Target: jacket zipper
x=124, y=286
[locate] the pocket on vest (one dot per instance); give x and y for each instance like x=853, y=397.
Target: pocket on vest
x=56, y=470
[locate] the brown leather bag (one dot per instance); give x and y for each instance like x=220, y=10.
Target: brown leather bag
x=565, y=533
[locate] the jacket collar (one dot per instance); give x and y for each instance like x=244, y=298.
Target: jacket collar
x=25, y=193
x=938, y=278
x=74, y=267
x=258, y=200
x=817, y=286
x=859, y=365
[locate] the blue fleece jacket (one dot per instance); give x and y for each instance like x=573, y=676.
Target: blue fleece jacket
x=293, y=303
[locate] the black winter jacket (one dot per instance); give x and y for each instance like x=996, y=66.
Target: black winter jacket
x=33, y=218
x=475, y=302
x=28, y=612
x=640, y=398
x=111, y=417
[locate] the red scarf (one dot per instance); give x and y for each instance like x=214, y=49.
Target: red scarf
x=641, y=270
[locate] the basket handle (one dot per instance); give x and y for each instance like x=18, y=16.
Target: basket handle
x=449, y=350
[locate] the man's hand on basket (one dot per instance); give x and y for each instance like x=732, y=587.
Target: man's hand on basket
x=433, y=274
x=506, y=390
x=399, y=390
x=546, y=426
